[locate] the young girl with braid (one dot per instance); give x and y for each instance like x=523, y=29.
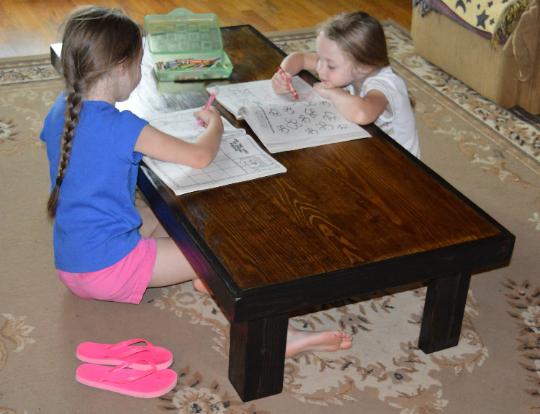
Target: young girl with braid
x=104, y=247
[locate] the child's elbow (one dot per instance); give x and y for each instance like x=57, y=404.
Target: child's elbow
x=366, y=114
x=363, y=118
x=206, y=161
x=203, y=159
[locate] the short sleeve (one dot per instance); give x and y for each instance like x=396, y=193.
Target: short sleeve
x=129, y=128
x=387, y=87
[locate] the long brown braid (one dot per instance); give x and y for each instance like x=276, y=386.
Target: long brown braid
x=95, y=40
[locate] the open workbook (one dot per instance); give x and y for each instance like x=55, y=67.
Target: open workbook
x=284, y=123
x=239, y=157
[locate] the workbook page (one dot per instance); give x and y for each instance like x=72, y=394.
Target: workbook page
x=235, y=96
x=284, y=123
x=239, y=157
x=302, y=119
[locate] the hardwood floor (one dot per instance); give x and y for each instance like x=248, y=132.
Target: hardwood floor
x=28, y=27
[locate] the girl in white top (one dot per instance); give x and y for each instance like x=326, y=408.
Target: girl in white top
x=355, y=73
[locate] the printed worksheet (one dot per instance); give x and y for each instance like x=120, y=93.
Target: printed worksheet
x=239, y=157
x=238, y=95
x=284, y=123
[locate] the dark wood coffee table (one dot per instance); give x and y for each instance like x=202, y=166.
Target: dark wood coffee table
x=345, y=220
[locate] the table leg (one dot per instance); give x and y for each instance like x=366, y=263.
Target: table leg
x=257, y=356
x=443, y=312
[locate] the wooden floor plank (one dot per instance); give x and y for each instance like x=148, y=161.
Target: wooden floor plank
x=28, y=27
x=285, y=15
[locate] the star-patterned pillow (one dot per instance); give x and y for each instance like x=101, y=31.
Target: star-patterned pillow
x=485, y=17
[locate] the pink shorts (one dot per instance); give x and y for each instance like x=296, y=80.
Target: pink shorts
x=125, y=281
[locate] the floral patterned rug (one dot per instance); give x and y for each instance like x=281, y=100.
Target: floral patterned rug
x=490, y=154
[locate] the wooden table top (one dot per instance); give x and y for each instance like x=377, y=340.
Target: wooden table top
x=337, y=207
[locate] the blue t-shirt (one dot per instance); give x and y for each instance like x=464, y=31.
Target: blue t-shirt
x=96, y=222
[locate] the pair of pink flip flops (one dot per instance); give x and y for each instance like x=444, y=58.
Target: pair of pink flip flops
x=140, y=371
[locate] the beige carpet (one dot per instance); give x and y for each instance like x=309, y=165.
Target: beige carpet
x=487, y=153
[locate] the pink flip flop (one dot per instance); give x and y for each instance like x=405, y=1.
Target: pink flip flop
x=106, y=354
x=148, y=383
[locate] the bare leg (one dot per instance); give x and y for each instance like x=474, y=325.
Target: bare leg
x=302, y=341
x=171, y=265
x=199, y=285
x=151, y=227
x=328, y=341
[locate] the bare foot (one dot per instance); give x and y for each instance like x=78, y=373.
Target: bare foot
x=329, y=341
x=199, y=285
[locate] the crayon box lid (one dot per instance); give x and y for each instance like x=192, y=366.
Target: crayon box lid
x=182, y=31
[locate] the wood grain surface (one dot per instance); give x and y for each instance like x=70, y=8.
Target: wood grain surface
x=28, y=27
x=338, y=206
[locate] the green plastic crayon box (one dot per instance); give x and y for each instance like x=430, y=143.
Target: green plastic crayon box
x=181, y=35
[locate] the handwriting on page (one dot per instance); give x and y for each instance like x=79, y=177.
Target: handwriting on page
x=283, y=123
x=311, y=118
x=234, y=97
x=282, y=114
x=239, y=158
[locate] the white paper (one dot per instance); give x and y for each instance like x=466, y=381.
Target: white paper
x=283, y=123
x=239, y=157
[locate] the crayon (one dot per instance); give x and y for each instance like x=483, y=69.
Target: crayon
x=293, y=91
x=210, y=100
x=180, y=64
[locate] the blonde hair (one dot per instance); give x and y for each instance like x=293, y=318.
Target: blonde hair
x=95, y=40
x=359, y=36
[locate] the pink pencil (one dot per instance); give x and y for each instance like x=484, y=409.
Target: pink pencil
x=293, y=91
x=210, y=100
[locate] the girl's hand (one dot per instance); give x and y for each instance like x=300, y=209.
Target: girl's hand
x=280, y=85
x=196, y=154
x=323, y=92
x=208, y=116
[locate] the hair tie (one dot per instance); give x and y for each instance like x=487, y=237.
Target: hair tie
x=59, y=181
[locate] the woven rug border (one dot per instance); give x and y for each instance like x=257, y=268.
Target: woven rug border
x=309, y=32
x=24, y=59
